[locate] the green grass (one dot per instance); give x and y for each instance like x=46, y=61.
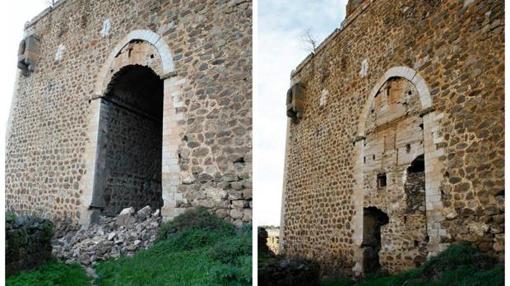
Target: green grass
x=51, y=274
x=196, y=248
x=10, y=216
x=191, y=257
x=460, y=265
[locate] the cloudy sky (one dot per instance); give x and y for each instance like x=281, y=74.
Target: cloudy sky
x=280, y=48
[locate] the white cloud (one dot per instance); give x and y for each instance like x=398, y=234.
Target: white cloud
x=281, y=25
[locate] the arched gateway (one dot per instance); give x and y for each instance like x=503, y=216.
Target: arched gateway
x=397, y=170
x=132, y=148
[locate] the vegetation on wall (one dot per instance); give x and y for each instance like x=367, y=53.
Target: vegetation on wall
x=28, y=242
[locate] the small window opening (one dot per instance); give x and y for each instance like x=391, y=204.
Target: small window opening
x=239, y=160
x=373, y=157
x=381, y=180
x=364, y=159
x=408, y=148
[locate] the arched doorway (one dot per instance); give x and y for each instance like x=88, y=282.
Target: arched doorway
x=129, y=154
x=147, y=49
x=397, y=168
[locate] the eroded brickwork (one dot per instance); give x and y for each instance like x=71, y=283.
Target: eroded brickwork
x=448, y=107
x=394, y=139
x=205, y=63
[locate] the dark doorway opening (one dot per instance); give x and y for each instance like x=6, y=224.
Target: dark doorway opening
x=417, y=165
x=415, y=186
x=373, y=220
x=415, y=206
x=129, y=156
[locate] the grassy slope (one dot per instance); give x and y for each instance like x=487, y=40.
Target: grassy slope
x=194, y=249
x=51, y=274
x=461, y=264
x=189, y=258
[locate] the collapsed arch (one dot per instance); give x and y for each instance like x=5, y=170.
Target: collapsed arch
x=402, y=72
x=432, y=164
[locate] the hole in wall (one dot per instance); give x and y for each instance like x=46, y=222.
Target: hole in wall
x=239, y=160
x=415, y=186
x=417, y=165
x=373, y=220
x=382, y=180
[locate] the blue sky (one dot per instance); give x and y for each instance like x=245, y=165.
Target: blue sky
x=279, y=49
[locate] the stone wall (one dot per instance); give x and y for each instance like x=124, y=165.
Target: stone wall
x=133, y=159
x=205, y=64
x=450, y=55
x=28, y=243
x=394, y=139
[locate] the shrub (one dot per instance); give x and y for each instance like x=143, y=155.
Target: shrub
x=193, y=239
x=229, y=251
x=194, y=219
x=196, y=248
x=28, y=242
x=288, y=272
x=234, y=275
x=460, y=264
x=10, y=216
x=456, y=255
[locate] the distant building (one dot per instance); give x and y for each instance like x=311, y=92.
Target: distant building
x=273, y=239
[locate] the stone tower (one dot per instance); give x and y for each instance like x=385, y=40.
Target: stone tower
x=132, y=103
x=395, y=145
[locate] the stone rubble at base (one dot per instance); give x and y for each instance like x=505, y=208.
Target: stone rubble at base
x=110, y=237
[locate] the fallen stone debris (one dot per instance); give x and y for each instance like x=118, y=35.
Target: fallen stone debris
x=109, y=237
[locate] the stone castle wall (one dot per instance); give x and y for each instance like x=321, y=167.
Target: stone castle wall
x=449, y=56
x=205, y=64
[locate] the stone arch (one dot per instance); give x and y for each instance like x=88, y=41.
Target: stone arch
x=402, y=72
x=433, y=164
x=167, y=65
x=170, y=177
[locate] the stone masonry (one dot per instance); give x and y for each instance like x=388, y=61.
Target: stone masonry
x=122, y=103
x=395, y=145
